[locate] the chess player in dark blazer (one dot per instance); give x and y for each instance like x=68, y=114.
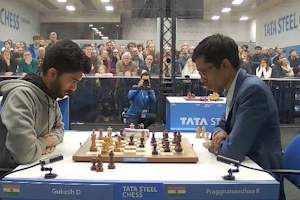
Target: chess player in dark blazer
x=148, y=66
x=250, y=125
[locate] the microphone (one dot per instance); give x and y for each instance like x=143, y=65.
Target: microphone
x=229, y=161
x=52, y=159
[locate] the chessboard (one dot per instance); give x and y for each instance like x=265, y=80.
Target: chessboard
x=134, y=153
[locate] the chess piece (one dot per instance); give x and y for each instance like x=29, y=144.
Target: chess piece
x=206, y=136
x=99, y=167
x=167, y=146
x=153, y=140
x=142, y=134
x=203, y=132
x=154, y=152
x=198, y=134
x=141, y=126
x=104, y=148
x=174, y=136
x=131, y=140
x=131, y=126
x=142, y=143
x=93, y=147
x=100, y=137
x=178, y=147
x=93, y=167
x=109, y=131
x=111, y=164
x=117, y=147
x=119, y=138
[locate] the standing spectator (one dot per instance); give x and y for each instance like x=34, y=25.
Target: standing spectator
x=87, y=50
x=135, y=57
x=149, y=67
x=34, y=48
x=100, y=48
x=255, y=59
x=53, y=40
x=7, y=45
x=190, y=69
x=122, y=49
x=184, y=58
x=278, y=54
x=27, y=64
x=115, y=58
x=105, y=60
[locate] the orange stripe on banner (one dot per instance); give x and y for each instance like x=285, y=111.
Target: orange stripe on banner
x=176, y=188
x=11, y=186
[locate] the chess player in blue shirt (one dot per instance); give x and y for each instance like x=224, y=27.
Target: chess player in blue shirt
x=250, y=124
x=140, y=99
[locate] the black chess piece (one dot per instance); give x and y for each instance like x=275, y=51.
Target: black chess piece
x=154, y=152
x=93, y=167
x=99, y=167
x=153, y=138
x=167, y=146
x=131, y=140
x=111, y=164
x=178, y=147
x=174, y=137
x=142, y=143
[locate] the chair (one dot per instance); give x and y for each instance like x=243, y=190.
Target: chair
x=291, y=162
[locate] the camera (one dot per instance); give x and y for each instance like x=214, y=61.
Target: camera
x=168, y=60
x=146, y=83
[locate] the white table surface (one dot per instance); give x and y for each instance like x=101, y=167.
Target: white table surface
x=182, y=100
x=206, y=170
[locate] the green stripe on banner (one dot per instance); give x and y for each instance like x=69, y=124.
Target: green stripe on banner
x=11, y=193
x=176, y=195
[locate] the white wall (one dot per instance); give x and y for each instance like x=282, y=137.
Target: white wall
x=188, y=30
x=269, y=25
x=22, y=24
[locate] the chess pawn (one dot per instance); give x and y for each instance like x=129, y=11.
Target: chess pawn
x=167, y=146
x=119, y=138
x=103, y=150
x=100, y=137
x=93, y=167
x=198, y=134
x=131, y=126
x=117, y=147
x=142, y=143
x=206, y=136
x=153, y=138
x=109, y=131
x=99, y=167
x=111, y=164
x=131, y=140
x=93, y=147
x=154, y=152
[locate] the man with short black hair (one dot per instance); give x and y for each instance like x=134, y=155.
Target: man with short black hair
x=34, y=48
x=141, y=98
x=250, y=125
x=31, y=121
x=255, y=59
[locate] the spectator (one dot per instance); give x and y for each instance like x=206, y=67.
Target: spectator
x=264, y=70
x=190, y=69
x=126, y=67
x=53, y=40
x=27, y=64
x=34, y=48
x=8, y=65
x=149, y=67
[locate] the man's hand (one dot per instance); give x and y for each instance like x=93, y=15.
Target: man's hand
x=216, y=140
x=141, y=83
x=51, y=140
x=48, y=150
x=127, y=73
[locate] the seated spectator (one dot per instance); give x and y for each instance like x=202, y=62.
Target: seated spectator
x=126, y=67
x=102, y=71
x=283, y=69
x=135, y=57
x=105, y=60
x=8, y=65
x=148, y=66
x=190, y=69
x=263, y=70
x=245, y=63
x=7, y=46
x=185, y=56
x=140, y=100
x=115, y=58
x=294, y=61
x=87, y=50
x=27, y=64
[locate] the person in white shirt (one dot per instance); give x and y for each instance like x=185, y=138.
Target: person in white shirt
x=286, y=68
x=190, y=69
x=263, y=70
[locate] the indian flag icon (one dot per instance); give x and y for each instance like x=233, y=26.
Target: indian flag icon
x=11, y=189
x=176, y=191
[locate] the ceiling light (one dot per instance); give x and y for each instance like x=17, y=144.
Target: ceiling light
x=244, y=18
x=62, y=1
x=100, y=34
x=215, y=17
x=109, y=8
x=226, y=10
x=236, y=2
x=104, y=1
x=91, y=25
x=70, y=8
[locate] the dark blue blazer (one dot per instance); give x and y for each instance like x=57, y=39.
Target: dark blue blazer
x=252, y=126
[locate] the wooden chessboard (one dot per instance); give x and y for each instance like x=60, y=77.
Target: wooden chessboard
x=133, y=153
